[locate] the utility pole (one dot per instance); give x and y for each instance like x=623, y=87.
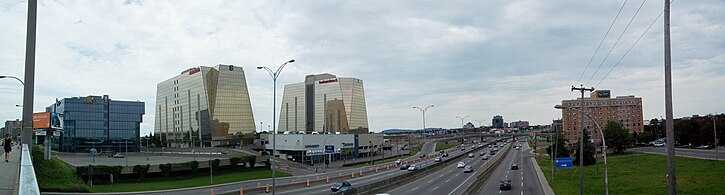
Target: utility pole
x=669, y=124
x=714, y=129
x=581, y=136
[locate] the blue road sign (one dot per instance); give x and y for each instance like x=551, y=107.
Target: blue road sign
x=564, y=163
x=329, y=149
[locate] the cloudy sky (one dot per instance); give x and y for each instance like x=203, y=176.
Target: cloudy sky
x=477, y=58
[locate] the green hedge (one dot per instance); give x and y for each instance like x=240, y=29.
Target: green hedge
x=100, y=170
x=233, y=162
x=165, y=169
x=193, y=166
x=141, y=171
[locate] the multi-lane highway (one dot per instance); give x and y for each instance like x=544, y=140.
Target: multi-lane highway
x=523, y=181
x=375, y=177
x=684, y=152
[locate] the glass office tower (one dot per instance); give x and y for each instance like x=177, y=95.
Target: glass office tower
x=324, y=103
x=203, y=106
x=98, y=122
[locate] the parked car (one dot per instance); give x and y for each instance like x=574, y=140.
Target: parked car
x=514, y=167
x=467, y=169
x=461, y=165
x=338, y=185
x=485, y=157
x=422, y=156
x=659, y=144
x=470, y=155
x=505, y=184
x=404, y=167
x=413, y=167
x=438, y=159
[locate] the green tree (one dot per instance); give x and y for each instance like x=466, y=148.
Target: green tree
x=561, y=149
x=588, y=151
x=618, y=138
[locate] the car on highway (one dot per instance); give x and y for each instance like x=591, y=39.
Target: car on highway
x=422, y=156
x=505, y=184
x=517, y=148
x=463, y=148
x=398, y=161
x=470, y=155
x=482, y=153
x=492, y=152
x=495, y=149
x=485, y=157
x=404, y=167
x=461, y=165
x=514, y=167
x=438, y=159
x=489, y=146
x=467, y=169
x=445, y=154
x=338, y=185
x=347, y=190
x=413, y=167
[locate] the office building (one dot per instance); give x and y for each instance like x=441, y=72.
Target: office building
x=324, y=103
x=310, y=148
x=13, y=128
x=203, y=106
x=497, y=121
x=599, y=109
x=520, y=124
x=97, y=122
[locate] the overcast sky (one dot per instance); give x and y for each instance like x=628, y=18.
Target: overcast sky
x=476, y=58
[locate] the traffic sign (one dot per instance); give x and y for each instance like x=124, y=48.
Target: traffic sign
x=329, y=149
x=564, y=163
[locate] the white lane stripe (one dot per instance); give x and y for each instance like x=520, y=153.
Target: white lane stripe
x=447, y=181
x=434, y=189
x=414, y=189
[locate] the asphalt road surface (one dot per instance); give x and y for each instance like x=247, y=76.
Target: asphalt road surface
x=523, y=181
x=684, y=152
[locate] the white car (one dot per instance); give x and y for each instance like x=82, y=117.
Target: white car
x=398, y=161
x=659, y=144
x=437, y=159
x=461, y=165
x=412, y=167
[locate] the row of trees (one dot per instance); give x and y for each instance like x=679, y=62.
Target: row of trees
x=618, y=139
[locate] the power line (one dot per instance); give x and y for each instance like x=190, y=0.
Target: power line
x=601, y=42
x=630, y=48
x=617, y=41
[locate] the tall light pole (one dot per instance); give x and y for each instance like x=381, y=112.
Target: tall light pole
x=29, y=83
x=422, y=110
x=274, y=75
x=462, y=118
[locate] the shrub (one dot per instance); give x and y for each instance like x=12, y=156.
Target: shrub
x=193, y=166
x=165, y=169
x=141, y=170
x=215, y=164
x=234, y=161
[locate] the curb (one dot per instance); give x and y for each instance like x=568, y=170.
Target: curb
x=542, y=179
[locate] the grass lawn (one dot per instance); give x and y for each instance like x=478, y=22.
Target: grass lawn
x=636, y=173
x=442, y=146
x=163, y=184
x=54, y=175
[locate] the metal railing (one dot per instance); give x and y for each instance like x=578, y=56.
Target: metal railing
x=27, y=183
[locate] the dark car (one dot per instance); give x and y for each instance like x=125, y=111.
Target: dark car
x=404, y=167
x=339, y=185
x=445, y=154
x=346, y=190
x=422, y=156
x=505, y=184
x=514, y=167
x=492, y=152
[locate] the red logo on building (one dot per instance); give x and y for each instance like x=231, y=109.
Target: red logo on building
x=327, y=81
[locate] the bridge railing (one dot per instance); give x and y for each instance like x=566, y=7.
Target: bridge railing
x=27, y=183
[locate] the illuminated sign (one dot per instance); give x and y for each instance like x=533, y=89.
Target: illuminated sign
x=603, y=94
x=327, y=81
x=41, y=120
x=193, y=70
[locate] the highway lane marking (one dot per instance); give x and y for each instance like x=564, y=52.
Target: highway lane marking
x=440, y=176
x=432, y=181
x=522, y=192
x=434, y=189
x=447, y=181
x=414, y=189
x=499, y=191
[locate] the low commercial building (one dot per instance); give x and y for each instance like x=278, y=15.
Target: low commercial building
x=310, y=148
x=520, y=124
x=13, y=128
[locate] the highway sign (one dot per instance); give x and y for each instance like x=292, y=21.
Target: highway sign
x=329, y=149
x=564, y=163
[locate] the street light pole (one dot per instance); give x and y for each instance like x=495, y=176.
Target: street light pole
x=464, y=118
x=714, y=130
x=274, y=75
x=422, y=110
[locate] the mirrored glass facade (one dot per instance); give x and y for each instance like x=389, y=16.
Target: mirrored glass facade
x=98, y=122
x=203, y=106
x=315, y=105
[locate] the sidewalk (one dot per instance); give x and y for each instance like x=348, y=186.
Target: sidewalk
x=9, y=172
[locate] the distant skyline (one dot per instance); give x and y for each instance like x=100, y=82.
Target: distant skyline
x=517, y=59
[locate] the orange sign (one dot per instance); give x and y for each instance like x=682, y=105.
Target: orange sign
x=41, y=120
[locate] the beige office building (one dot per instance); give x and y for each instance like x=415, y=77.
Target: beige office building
x=203, y=106
x=599, y=109
x=324, y=103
